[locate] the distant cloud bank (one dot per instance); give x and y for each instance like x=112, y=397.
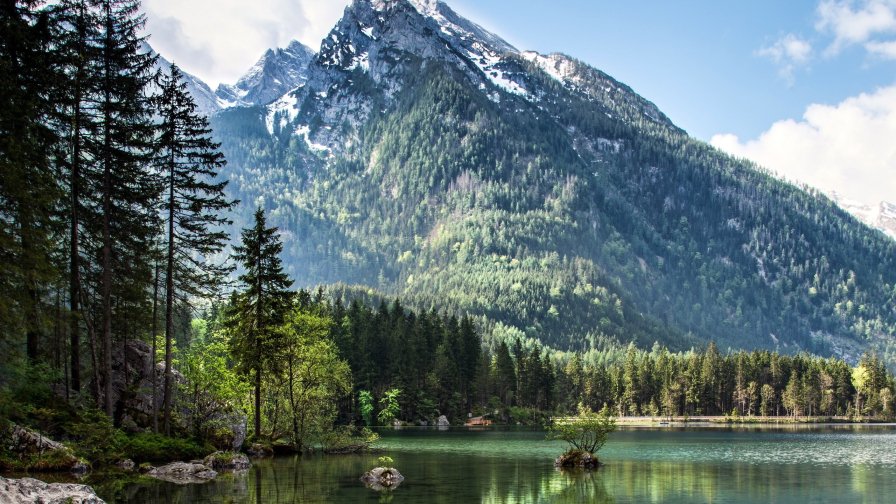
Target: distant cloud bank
x=848, y=147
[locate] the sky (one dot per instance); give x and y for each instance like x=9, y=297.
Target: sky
x=806, y=88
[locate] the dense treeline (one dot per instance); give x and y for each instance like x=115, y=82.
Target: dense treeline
x=111, y=210
x=439, y=365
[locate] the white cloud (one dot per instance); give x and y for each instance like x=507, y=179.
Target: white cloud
x=218, y=40
x=848, y=147
x=788, y=53
x=853, y=22
x=885, y=50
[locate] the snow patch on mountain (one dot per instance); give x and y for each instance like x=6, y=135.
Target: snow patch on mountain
x=284, y=110
x=881, y=216
x=489, y=63
x=559, y=68
x=304, y=131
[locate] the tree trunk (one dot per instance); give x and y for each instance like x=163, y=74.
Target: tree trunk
x=107, y=289
x=258, y=402
x=32, y=315
x=107, y=231
x=297, y=442
x=169, y=300
x=155, y=318
x=75, y=187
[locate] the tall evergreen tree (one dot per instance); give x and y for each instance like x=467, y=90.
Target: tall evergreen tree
x=126, y=188
x=260, y=308
x=28, y=188
x=188, y=162
x=76, y=47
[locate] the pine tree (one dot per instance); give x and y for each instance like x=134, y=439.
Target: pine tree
x=188, y=162
x=29, y=193
x=257, y=311
x=76, y=46
x=126, y=189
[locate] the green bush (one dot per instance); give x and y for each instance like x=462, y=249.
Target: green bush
x=149, y=447
x=96, y=439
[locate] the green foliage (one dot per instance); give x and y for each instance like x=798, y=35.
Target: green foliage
x=348, y=439
x=313, y=374
x=212, y=387
x=255, y=313
x=365, y=405
x=26, y=394
x=388, y=406
x=153, y=448
x=97, y=439
x=385, y=461
x=587, y=432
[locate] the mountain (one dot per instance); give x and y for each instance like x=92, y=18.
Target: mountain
x=425, y=157
x=881, y=216
x=206, y=101
x=275, y=73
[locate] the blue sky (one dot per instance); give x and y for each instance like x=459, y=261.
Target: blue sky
x=806, y=88
x=699, y=61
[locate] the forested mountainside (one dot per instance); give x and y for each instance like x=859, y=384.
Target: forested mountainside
x=425, y=157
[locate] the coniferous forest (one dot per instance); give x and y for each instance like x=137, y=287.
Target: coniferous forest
x=138, y=321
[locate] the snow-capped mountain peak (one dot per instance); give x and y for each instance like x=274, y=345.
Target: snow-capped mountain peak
x=275, y=73
x=881, y=216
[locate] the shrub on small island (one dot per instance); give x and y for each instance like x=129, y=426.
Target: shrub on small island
x=586, y=434
x=383, y=477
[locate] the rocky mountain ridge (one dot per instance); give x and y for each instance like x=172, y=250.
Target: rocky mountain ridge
x=429, y=159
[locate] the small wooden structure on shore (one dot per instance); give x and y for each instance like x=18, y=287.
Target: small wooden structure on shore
x=479, y=421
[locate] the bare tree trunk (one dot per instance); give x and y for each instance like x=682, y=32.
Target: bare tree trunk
x=155, y=319
x=169, y=303
x=258, y=402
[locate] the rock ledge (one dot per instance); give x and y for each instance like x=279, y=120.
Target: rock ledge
x=30, y=490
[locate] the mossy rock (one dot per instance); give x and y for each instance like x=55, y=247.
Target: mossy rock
x=382, y=478
x=577, y=459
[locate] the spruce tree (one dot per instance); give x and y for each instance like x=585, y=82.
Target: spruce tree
x=188, y=162
x=29, y=192
x=76, y=48
x=125, y=187
x=260, y=308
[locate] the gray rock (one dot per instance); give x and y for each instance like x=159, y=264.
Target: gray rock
x=577, y=459
x=235, y=425
x=227, y=461
x=30, y=491
x=443, y=421
x=183, y=473
x=382, y=478
x=29, y=441
x=126, y=465
x=26, y=443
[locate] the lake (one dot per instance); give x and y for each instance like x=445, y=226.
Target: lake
x=797, y=464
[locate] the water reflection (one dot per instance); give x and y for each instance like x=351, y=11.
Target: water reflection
x=641, y=467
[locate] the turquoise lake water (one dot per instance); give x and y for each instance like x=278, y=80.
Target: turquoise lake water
x=836, y=464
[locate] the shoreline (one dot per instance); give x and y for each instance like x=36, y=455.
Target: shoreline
x=759, y=421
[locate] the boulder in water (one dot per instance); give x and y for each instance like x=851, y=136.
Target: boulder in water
x=577, y=459
x=382, y=478
x=227, y=461
x=183, y=473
